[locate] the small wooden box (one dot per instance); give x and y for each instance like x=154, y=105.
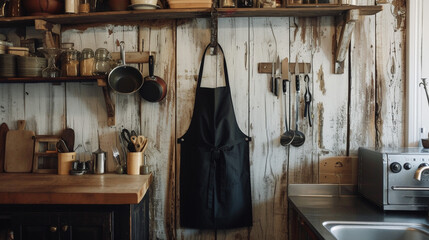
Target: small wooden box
x=45, y=158
x=312, y=3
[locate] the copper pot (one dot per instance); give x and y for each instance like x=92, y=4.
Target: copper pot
x=154, y=88
x=43, y=7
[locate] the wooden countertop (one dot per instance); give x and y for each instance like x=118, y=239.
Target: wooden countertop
x=33, y=188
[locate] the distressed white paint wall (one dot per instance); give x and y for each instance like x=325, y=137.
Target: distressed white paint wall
x=178, y=47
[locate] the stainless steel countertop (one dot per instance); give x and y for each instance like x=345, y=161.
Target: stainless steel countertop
x=316, y=209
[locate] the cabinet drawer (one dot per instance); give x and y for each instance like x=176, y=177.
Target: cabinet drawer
x=63, y=225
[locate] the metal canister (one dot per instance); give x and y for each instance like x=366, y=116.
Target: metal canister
x=99, y=161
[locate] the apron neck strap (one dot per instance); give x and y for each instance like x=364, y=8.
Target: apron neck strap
x=200, y=74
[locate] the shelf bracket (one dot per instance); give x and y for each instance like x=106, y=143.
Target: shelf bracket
x=49, y=40
x=110, y=107
x=348, y=23
x=213, y=28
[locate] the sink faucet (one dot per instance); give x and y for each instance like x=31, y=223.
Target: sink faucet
x=418, y=174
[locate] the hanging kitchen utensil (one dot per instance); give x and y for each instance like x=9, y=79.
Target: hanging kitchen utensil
x=154, y=88
x=299, y=136
x=277, y=77
x=287, y=137
x=3, y=132
x=273, y=77
x=307, y=96
x=123, y=78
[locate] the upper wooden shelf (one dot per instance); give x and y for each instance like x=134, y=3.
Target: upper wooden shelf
x=138, y=15
x=102, y=78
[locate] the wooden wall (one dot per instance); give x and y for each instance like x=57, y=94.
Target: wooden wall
x=362, y=107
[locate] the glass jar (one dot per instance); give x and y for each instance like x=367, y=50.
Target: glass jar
x=87, y=62
x=70, y=63
x=227, y=3
x=102, y=61
x=84, y=6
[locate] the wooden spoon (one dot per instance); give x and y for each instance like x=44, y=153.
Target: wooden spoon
x=68, y=137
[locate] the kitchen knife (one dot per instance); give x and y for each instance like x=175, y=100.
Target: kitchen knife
x=297, y=85
x=273, y=76
x=278, y=76
x=285, y=69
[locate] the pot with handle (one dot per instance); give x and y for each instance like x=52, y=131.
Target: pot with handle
x=154, y=88
x=123, y=78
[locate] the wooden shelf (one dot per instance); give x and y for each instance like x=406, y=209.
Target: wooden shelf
x=52, y=80
x=138, y=15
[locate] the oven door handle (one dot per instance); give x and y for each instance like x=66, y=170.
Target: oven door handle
x=410, y=188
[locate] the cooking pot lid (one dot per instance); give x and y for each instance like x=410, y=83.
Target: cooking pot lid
x=151, y=91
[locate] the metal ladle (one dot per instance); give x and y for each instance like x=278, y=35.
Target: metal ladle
x=299, y=138
x=287, y=137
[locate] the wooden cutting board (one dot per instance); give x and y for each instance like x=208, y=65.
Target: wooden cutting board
x=3, y=131
x=19, y=149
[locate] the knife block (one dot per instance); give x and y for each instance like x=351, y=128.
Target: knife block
x=45, y=157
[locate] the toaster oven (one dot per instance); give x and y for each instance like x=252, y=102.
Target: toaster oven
x=394, y=179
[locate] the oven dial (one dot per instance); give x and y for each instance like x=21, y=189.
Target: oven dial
x=395, y=167
x=407, y=166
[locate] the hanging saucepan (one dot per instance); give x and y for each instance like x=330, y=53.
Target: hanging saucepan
x=154, y=88
x=125, y=79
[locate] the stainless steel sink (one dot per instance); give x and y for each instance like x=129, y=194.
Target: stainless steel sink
x=344, y=230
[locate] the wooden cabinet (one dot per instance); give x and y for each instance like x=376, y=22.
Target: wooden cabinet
x=299, y=229
x=81, y=222
x=63, y=225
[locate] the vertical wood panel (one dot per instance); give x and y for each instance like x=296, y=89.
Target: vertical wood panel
x=362, y=88
x=11, y=104
x=305, y=41
x=422, y=105
x=269, y=38
x=44, y=108
x=158, y=124
x=390, y=67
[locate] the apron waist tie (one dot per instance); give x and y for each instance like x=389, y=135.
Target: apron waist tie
x=217, y=165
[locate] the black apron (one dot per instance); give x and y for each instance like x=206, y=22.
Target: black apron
x=214, y=163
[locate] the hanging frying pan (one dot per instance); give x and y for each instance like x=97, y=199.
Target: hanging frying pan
x=123, y=78
x=154, y=88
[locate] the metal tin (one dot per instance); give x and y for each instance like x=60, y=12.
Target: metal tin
x=99, y=161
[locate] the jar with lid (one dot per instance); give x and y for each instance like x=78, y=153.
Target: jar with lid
x=65, y=49
x=102, y=61
x=87, y=62
x=70, y=63
x=228, y=3
x=84, y=6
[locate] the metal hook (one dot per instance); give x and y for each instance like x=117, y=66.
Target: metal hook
x=213, y=29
